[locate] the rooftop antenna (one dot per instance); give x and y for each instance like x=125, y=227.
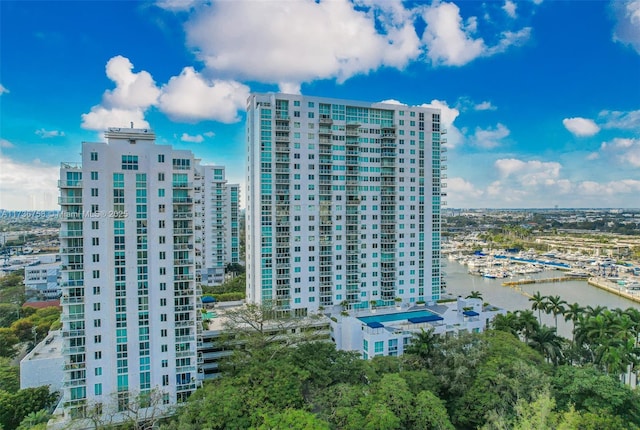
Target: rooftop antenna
x=131, y=124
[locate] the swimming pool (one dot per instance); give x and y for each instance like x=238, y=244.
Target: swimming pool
x=400, y=316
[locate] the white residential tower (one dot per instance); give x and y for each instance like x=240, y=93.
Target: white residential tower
x=343, y=202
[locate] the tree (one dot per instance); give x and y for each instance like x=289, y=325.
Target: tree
x=423, y=345
x=527, y=323
x=508, y=322
x=430, y=413
x=9, y=376
x=555, y=305
x=573, y=312
x=588, y=390
x=8, y=342
x=475, y=295
x=545, y=341
x=293, y=419
x=538, y=304
x=15, y=406
x=35, y=420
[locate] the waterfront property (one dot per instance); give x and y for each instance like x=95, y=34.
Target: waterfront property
x=389, y=331
x=343, y=202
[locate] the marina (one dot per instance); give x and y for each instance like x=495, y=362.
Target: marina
x=514, y=298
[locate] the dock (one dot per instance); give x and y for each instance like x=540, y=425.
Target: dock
x=603, y=284
x=540, y=281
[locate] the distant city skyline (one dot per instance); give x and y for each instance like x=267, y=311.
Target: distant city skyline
x=541, y=99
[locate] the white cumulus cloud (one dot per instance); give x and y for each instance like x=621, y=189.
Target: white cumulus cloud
x=4, y=143
x=193, y=139
x=510, y=8
x=177, y=5
x=622, y=120
x=46, y=134
x=3, y=90
x=486, y=105
x=625, y=150
x=450, y=40
x=491, y=137
x=627, y=26
x=528, y=173
x=582, y=127
x=133, y=90
x=447, y=117
x=190, y=97
x=29, y=186
x=100, y=118
x=299, y=41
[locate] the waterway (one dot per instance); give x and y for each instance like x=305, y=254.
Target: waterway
x=460, y=282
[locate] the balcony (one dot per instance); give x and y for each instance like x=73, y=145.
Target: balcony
x=183, y=277
x=66, y=300
x=182, y=185
x=182, y=200
x=182, y=231
x=70, y=184
x=182, y=215
x=70, y=200
x=325, y=119
x=73, y=333
x=72, y=317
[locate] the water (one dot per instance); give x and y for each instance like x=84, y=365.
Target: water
x=460, y=282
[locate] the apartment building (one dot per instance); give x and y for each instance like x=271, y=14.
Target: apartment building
x=343, y=203
x=130, y=304
x=216, y=224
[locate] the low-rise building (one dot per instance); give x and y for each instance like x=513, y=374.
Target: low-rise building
x=44, y=365
x=43, y=278
x=378, y=332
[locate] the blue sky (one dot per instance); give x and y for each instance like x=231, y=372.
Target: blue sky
x=541, y=98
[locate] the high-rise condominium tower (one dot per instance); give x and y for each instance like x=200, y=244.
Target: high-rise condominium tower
x=343, y=202
x=129, y=294
x=216, y=224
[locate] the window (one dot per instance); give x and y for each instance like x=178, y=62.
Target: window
x=161, y=223
x=163, y=302
x=96, y=291
x=95, y=241
x=96, y=274
x=97, y=355
x=163, y=270
x=97, y=389
x=94, y=156
x=97, y=338
x=94, y=192
x=160, y=158
x=95, y=258
x=160, y=192
x=165, y=380
x=129, y=162
x=163, y=255
x=163, y=317
x=162, y=239
x=160, y=177
x=161, y=208
x=165, y=363
x=97, y=323
x=94, y=176
x=94, y=225
x=163, y=332
x=164, y=348
x=96, y=307
x=98, y=371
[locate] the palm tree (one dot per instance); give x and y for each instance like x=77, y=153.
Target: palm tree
x=573, y=312
x=592, y=312
x=508, y=322
x=423, y=345
x=527, y=323
x=537, y=304
x=474, y=295
x=545, y=341
x=555, y=305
